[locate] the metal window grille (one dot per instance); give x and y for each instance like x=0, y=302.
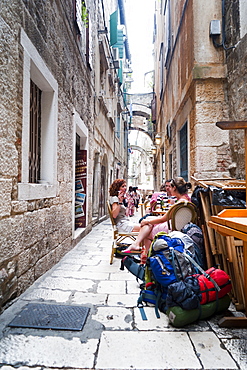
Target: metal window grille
x=35, y=133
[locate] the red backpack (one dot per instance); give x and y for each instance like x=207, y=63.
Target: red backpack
x=208, y=289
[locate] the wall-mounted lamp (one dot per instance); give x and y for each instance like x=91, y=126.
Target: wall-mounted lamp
x=157, y=139
x=153, y=149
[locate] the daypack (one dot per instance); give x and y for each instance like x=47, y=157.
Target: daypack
x=195, y=233
x=208, y=290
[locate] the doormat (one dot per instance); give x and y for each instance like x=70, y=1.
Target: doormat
x=48, y=316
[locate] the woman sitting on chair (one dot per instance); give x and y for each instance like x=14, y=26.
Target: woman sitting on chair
x=117, y=192
x=179, y=189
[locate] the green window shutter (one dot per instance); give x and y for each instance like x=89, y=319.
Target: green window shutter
x=113, y=28
x=120, y=43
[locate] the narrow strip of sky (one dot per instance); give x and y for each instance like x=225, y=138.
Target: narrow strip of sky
x=140, y=24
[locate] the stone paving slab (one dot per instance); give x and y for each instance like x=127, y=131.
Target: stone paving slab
x=114, y=318
x=48, y=295
x=112, y=287
x=141, y=351
x=85, y=298
x=62, y=283
x=123, y=300
x=83, y=275
x=47, y=351
x=211, y=352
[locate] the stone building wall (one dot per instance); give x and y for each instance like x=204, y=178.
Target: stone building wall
x=194, y=91
x=35, y=232
x=236, y=86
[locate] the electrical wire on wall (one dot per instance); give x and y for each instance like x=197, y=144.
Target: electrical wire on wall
x=223, y=42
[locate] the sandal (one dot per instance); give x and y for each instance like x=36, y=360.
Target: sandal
x=132, y=251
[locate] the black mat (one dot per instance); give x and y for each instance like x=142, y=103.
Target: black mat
x=48, y=316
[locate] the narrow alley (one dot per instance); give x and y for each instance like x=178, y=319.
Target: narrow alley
x=80, y=107
x=114, y=335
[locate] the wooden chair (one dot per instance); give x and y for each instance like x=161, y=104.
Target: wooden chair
x=180, y=214
x=118, y=237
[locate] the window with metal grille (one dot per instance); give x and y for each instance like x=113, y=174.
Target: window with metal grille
x=39, y=127
x=184, y=151
x=35, y=133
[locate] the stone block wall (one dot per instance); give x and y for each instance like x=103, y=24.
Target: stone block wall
x=35, y=234
x=236, y=85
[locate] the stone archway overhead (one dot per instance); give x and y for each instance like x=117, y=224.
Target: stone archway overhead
x=141, y=110
x=141, y=114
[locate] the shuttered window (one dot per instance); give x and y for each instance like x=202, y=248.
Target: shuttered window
x=113, y=28
x=184, y=152
x=120, y=43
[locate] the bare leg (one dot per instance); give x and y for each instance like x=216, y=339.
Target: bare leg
x=147, y=243
x=143, y=234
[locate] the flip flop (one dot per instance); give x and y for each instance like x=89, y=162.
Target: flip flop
x=134, y=251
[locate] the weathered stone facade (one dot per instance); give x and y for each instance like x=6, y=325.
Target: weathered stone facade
x=198, y=83
x=43, y=41
x=236, y=87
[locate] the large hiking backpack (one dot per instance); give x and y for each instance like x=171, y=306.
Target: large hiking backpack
x=173, y=279
x=167, y=260
x=166, y=264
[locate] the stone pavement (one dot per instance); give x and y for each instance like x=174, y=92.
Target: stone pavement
x=114, y=336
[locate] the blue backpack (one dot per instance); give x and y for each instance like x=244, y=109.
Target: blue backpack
x=166, y=264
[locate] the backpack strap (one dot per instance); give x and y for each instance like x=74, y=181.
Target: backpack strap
x=172, y=258
x=155, y=298
x=141, y=307
x=158, y=297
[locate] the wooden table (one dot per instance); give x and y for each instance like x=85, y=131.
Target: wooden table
x=233, y=222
